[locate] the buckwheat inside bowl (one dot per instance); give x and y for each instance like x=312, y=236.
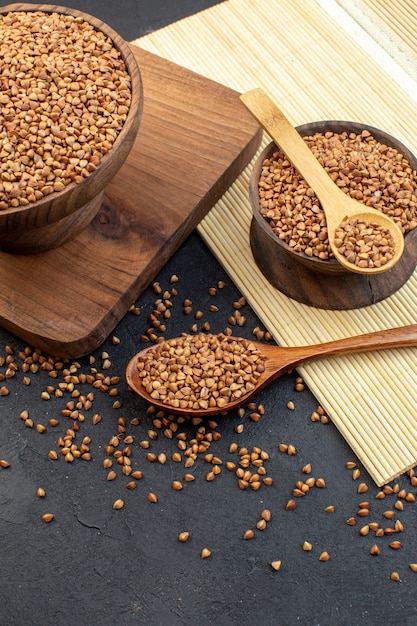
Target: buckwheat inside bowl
x=367, y=164
x=288, y=234
x=70, y=107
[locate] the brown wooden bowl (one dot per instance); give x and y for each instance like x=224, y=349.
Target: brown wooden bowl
x=61, y=215
x=313, y=281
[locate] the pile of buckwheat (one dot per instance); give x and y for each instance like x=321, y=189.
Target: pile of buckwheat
x=367, y=170
x=364, y=244
x=65, y=96
x=200, y=371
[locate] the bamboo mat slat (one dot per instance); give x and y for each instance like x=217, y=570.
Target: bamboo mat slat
x=393, y=24
x=315, y=69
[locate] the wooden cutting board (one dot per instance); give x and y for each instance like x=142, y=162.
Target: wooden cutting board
x=194, y=140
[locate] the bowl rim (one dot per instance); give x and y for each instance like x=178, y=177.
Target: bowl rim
x=130, y=125
x=307, y=129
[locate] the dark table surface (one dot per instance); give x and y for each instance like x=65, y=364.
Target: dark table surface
x=93, y=564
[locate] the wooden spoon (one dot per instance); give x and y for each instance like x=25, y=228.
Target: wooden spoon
x=279, y=360
x=335, y=203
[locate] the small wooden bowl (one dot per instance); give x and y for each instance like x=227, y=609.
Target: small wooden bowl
x=324, y=283
x=61, y=215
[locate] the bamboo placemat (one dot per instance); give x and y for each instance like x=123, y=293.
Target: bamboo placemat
x=318, y=62
x=392, y=24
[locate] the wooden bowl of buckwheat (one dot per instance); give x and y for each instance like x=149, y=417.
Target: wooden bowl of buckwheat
x=70, y=109
x=288, y=231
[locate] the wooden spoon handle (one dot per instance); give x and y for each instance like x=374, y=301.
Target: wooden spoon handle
x=291, y=143
x=404, y=336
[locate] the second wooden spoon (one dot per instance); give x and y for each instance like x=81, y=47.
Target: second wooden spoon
x=278, y=361
x=335, y=203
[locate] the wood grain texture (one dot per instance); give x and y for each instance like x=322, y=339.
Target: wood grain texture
x=194, y=140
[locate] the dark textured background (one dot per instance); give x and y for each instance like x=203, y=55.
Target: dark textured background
x=134, y=18
x=94, y=565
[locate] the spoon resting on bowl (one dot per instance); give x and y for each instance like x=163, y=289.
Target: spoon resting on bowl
x=271, y=362
x=338, y=207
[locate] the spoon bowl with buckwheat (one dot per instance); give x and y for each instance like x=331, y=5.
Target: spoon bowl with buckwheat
x=205, y=374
